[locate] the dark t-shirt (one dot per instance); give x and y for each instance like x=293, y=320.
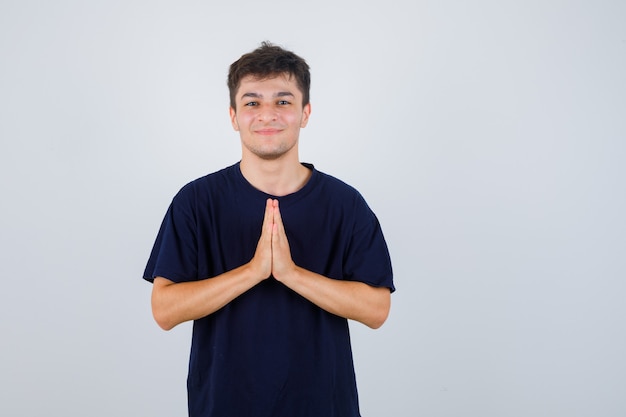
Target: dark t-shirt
x=270, y=352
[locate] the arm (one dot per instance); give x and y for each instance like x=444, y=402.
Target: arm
x=350, y=299
x=174, y=303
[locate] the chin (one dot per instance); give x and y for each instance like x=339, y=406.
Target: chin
x=270, y=154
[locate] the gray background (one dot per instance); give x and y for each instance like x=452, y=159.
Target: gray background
x=488, y=136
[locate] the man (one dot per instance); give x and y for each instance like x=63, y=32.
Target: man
x=270, y=257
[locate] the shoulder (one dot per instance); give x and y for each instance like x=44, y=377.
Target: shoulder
x=334, y=184
x=339, y=190
x=218, y=181
x=341, y=197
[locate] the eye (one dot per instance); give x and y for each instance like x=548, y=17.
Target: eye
x=251, y=104
x=283, y=102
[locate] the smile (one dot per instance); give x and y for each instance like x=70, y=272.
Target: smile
x=267, y=131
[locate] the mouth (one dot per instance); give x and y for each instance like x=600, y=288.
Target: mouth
x=267, y=131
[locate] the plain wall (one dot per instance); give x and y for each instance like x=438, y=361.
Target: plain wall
x=488, y=137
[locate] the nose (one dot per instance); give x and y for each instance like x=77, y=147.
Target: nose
x=266, y=114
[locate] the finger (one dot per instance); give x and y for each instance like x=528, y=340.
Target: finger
x=268, y=218
x=278, y=219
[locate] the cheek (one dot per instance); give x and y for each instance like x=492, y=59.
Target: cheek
x=291, y=118
x=244, y=118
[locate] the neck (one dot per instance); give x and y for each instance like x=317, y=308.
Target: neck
x=275, y=177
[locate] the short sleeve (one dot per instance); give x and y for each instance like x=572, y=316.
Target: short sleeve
x=174, y=254
x=368, y=258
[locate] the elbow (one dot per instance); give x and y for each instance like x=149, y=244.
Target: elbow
x=161, y=315
x=161, y=309
x=380, y=313
x=378, y=319
x=162, y=320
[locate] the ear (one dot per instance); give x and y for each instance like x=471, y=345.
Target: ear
x=233, y=119
x=306, y=112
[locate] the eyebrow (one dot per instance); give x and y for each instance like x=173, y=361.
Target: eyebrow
x=279, y=94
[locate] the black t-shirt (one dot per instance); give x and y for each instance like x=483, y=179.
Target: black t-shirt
x=270, y=352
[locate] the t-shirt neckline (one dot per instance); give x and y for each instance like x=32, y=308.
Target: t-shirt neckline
x=286, y=199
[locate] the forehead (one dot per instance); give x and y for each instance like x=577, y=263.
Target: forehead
x=268, y=86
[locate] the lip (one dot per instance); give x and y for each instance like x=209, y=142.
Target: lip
x=267, y=131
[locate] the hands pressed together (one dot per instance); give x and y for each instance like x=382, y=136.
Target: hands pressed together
x=272, y=256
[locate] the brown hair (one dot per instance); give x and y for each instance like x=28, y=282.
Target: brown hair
x=268, y=61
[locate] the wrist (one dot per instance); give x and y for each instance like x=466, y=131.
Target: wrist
x=288, y=274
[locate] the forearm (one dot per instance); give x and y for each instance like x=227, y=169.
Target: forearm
x=350, y=299
x=175, y=303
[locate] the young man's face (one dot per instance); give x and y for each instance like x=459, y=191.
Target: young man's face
x=269, y=115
